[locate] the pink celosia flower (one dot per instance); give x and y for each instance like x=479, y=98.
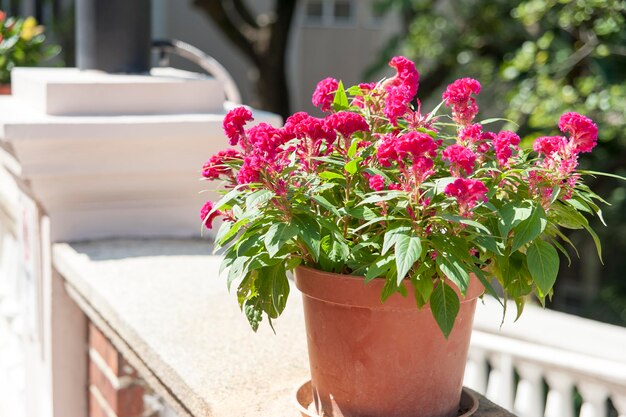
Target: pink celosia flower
x=471, y=133
x=377, y=182
x=415, y=144
x=234, y=122
x=400, y=89
x=301, y=125
x=550, y=145
x=467, y=193
x=484, y=144
x=387, y=150
x=461, y=159
x=406, y=74
x=583, y=131
x=265, y=139
x=250, y=170
x=421, y=169
x=397, y=103
x=458, y=96
x=366, y=88
x=347, y=123
x=504, y=143
x=325, y=93
x=207, y=219
x=216, y=165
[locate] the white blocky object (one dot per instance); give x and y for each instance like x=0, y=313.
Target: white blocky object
x=71, y=92
x=103, y=174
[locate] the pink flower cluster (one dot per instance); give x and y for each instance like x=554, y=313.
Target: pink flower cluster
x=400, y=89
x=560, y=155
x=467, y=193
x=324, y=94
x=504, y=144
x=347, y=123
x=217, y=166
x=461, y=160
x=583, y=131
x=458, y=95
x=393, y=136
x=412, y=152
x=234, y=124
x=207, y=220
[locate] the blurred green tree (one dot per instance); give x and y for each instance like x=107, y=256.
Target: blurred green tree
x=263, y=40
x=537, y=59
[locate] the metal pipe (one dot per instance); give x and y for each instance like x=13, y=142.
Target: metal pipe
x=113, y=35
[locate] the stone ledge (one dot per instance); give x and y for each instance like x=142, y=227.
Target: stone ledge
x=164, y=307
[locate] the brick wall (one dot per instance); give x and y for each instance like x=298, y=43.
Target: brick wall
x=114, y=387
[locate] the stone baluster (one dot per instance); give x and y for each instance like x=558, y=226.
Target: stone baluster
x=594, y=399
x=560, y=401
x=500, y=388
x=476, y=371
x=619, y=402
x=529, y=397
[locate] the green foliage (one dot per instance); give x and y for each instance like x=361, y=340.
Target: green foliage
x=537, y=59
x=22, y=44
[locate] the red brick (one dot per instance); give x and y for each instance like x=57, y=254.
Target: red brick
x=126, y=402
x=109, y=353
x=95, y=409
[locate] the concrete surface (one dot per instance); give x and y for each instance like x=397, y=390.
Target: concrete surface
x=162, y=303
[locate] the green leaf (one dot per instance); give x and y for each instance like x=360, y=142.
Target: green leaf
x=277, y=235
x=543, y=264
x=236, y=269
x=391, y=237
x=326, y=204
x=466, y=221
x=434, y=112
x=603, y=174
x=408, y=250
x=362, y=212
x=355, y=90
x=257, y=198
x=496, y=119
x=489, y=243
x=379, y=268
x=353, y=148
x=340, y=102
x=329, y=175
x=231, y=232
x=453, y=269
x=596, y=241
x=273, y=289
x=530, y=228
x=230, y=196
x=444, y=304
x=423, y=289
x=353, y=166
x=383, y=196
x=310, y=233
x=512, y=215
x=340, y=251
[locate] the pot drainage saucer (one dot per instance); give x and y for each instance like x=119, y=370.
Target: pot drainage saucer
x=303, y=398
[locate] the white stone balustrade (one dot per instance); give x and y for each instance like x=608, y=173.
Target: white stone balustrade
x=535, y=366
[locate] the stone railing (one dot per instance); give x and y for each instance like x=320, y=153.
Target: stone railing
x=548, y=364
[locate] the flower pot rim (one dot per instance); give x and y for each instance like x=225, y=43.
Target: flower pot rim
x=345, y=289
x=302, y=399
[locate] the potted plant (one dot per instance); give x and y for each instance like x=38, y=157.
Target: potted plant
x=22, y=44
x=394, y=222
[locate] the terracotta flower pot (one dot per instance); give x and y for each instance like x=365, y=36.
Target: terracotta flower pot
x=5, y=89
x=370, y=359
